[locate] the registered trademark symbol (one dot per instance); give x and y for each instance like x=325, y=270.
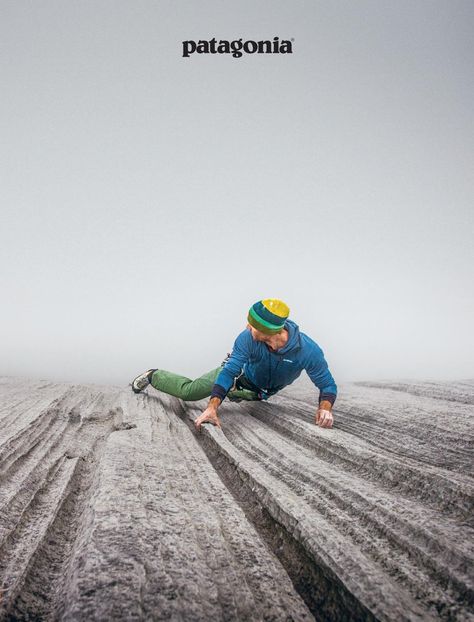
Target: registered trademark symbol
x=292, y=38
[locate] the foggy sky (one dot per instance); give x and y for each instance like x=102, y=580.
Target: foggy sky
x=148, y=199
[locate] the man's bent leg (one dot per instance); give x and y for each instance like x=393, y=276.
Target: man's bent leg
x=185, y=388
x=242, y=394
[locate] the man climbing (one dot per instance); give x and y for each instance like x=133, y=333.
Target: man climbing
x=267, y=356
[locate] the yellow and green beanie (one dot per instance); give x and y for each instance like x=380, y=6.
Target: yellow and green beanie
x=268, y=316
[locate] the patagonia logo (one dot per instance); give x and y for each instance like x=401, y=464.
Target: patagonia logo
x=287, y=361
x=238, y=47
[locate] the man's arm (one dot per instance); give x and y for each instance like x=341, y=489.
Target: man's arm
x=233, y=366
x=239, y=356
x=318, y=371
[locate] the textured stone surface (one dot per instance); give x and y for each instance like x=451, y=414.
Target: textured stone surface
x=112, y=507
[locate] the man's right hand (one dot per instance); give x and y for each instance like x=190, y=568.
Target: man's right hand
x=208, y=416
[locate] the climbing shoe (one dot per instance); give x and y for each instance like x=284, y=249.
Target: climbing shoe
x=142, y=381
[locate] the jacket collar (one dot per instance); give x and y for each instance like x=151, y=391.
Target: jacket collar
x=294, y=339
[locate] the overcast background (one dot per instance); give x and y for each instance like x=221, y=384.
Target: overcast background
x=148, y=200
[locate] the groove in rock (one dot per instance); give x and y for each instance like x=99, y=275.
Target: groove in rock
x=324, y=594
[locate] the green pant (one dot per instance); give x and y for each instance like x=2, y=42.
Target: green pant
x=191, y=390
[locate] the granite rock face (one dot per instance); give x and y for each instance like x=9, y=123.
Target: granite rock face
x=113, y=507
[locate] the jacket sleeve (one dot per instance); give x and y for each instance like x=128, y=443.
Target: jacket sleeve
x=239, y=356
x=318, y=371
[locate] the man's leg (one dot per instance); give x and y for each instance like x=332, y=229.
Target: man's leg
x=237, y=395
x=192, y=390
x=182, y=387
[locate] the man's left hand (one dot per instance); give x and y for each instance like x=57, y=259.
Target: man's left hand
x=324, y=418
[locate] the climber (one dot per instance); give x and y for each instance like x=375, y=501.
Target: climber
x=268, y=355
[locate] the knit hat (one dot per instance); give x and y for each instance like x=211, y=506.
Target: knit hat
x=268, y=316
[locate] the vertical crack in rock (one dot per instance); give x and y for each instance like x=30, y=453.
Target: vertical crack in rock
x=326, y=597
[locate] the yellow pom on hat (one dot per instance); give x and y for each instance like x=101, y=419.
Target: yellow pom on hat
x=277, y=307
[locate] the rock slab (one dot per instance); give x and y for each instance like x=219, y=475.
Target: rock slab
x=113, y=507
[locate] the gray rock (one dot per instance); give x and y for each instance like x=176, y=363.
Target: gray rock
x=113, y=507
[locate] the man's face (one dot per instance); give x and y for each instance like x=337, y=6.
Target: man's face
x=257, y=335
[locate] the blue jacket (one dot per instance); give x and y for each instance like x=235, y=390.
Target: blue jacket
x=271, y=371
